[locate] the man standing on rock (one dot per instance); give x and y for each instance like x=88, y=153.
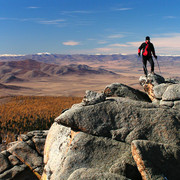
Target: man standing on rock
x=147, y=51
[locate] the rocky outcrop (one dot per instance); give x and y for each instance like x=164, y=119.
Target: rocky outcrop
x=114, y=135
x=162, y=92
x=23, y=159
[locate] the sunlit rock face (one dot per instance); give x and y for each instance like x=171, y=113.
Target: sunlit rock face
x=114, y=134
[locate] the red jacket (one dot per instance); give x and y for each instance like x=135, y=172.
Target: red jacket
x=147, y=49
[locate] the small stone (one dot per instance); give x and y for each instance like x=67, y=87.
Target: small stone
x=156, y=102
x=39, y=144
x=23, y=137
x=9, y=145
x=92, y=97
x=14, y=160
x=31, y=144
x=5, y=153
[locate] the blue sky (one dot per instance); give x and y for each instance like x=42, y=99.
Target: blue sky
x=88, y=26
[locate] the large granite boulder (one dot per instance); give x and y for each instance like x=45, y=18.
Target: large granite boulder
x=23, y=159
x=162, y=92
x=124, y=120
x=77, y=155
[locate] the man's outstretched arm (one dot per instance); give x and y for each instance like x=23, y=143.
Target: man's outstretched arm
x=139, y=50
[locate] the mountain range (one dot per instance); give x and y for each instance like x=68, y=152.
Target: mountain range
x=104, y=61
x=59, y=58
x=71, y=75
x=19, y=71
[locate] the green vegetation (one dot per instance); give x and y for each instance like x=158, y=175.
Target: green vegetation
x=21, y=114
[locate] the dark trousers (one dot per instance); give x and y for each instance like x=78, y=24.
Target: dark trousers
x=144, y=61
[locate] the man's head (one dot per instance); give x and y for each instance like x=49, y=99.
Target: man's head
x=147, y=39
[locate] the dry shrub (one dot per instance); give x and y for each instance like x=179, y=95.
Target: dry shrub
x=21, y=114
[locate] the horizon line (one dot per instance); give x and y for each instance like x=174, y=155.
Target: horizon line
x=46, y=53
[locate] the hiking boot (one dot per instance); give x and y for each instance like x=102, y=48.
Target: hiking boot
x=152, y=73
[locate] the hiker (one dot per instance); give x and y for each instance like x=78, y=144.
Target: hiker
x=147, y=51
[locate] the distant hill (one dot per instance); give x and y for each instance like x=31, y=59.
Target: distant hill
x=18, y=71
x=82, y=69
x=10, y=87
x=61, y=58
x=7, y=78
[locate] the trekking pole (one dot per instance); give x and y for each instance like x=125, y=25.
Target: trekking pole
x=158, y=65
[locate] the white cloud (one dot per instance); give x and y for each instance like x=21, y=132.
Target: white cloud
x=114, y=36
x=135, y=44
x=56, y=21
x=91, y=39
x=115, y=50
x=11, y=55
x=75, y=12
x=123, y=9
x=102, y=42
x=33, y=7
x=71, y=43
x=59, y=22
x=118, y=45
x=169, y=17
x=44, y=53
x=105, y=50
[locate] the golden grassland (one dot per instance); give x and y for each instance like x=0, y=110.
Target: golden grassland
x=20, y=114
